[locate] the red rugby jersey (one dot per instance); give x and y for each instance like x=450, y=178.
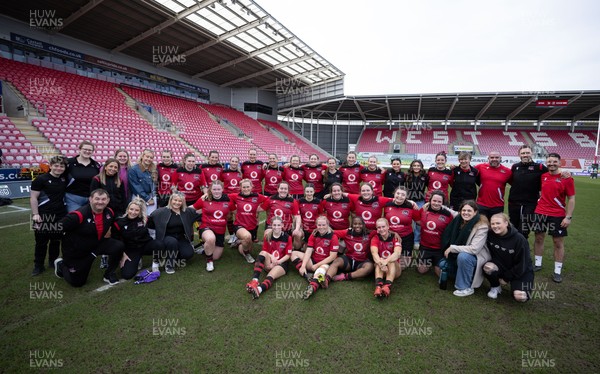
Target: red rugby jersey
x=214, y=213
x=401, y=217
x=493, y=183
x=375, y=178
x=231, y=180
x=189, y=183
x=278, y=247
x=438, y=180
x=273, y=176
x=370, y=210
x=322, y=246
x=294, y=176
x=314, y=175
x=254, y=171
x=309, y=211
x=337, y=211
x=432, y=227
x=357, y=245
x=165, y=177
x=385, y=247
x=351, y=178
x=212, y=172
x=285, y=208
x=555, y=189
x=247, y=209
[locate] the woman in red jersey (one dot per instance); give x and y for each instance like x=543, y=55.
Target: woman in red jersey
x=401, y=213
x=440, y=177
x=322, y=249
x=310, y=209
x=276, y=251
x=248, y=204
x=190, y=180
x=273, y=175
x=355, y=262
x=434, y=220
x=367, y=205
x=337, y=207
x=166, y=173
x=373, y=175
x=215, y=209
x=313, y=174
x=284, y=206
x=294, y=175
x=386, y=252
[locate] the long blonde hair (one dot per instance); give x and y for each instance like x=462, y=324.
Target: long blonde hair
x=152, y=169
x=142, y=205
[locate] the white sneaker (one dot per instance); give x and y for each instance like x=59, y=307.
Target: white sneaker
x=465, y=292
x=210, y=266
x=140, y=265
x=199, y=250
x=249, y=258
x=154, y=267
x=494, y=292
x=232, y=239
x=416, y=246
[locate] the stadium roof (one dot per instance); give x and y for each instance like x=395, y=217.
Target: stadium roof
x=500, y=106
x=233, y=43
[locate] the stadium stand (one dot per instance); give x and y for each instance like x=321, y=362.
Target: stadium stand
x=377, y=140
x=300, y=142
x=80, y=108
x=17, y=150
x=428, y=141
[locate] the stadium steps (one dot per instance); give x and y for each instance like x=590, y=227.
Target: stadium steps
x=164, y=123
x=224, y=123
x=37, y=140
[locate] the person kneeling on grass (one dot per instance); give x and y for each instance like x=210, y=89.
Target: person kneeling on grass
x=386, y=249
x=511, y=261
x=354, y=263
x=86, y=236
x=277, y=248
x=322, y=250
x=464, y=240
x=133, y=231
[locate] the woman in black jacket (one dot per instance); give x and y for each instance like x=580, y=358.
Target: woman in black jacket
x=132, y=229
x=109, y=180
x=174, y=228
x=511, y=261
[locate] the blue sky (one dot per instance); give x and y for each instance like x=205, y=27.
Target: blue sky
x=438, y=46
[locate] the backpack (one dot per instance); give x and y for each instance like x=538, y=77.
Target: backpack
x=146, y=276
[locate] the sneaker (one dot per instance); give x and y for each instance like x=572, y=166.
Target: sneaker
x=155, y=266
x=111, y=278
x=37, y=270
x=378, y=292
x=339, y=277
x=58, y=267
x=232, y=239
x=210, y=266
x=249, y=258
x=537, y=268
x=235, y=244
x=140, y=265
x=416, y=246
x=309, y=291
x=494, y=292
x=199, y=249
x=465, y=292
x=251, y=285
x=557, y=277
x=104, y=262
x=169, y=269
x=255, y=292
x=385, y=290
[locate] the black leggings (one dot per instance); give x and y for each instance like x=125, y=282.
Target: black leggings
x=130, y=268
x=177, y=249
x=76, y=271
x=46, y=242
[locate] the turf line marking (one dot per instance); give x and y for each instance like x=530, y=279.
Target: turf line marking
x=16, y=224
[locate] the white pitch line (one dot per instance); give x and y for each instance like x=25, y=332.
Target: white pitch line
x=16, y=211
x=17, y=207
x=16, y=224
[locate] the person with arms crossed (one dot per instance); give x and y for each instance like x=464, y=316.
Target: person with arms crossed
x=493, y=177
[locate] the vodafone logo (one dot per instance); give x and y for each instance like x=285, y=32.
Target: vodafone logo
x=372, y=183
x=188, y=186
x=166, y=177
x=294, y=177
x=278, y=213
x=337, y=214
x=395, y=220
x=385, y=254
x=308, y=215
x=352, y=177
x=218, y=214
x=213, y=177
x=233, y=182
x=247, y=208
x=276, y=255
x=366, y=215
x=312, y=175
x=273, y=179
x=431, y=225
x=358, y=247
x=253, y=175
x=437, y=185
x=320, y=250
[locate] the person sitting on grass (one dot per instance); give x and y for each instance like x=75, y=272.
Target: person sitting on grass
x=321, y=251
x=354, y=263
x=511, y=261
x=386, y=249
x=277, y=248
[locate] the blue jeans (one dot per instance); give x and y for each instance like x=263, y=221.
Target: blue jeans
x=466, y=264
x=417, y=228
x=75, y=202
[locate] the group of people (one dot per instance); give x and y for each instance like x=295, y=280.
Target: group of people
x=333, y=223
